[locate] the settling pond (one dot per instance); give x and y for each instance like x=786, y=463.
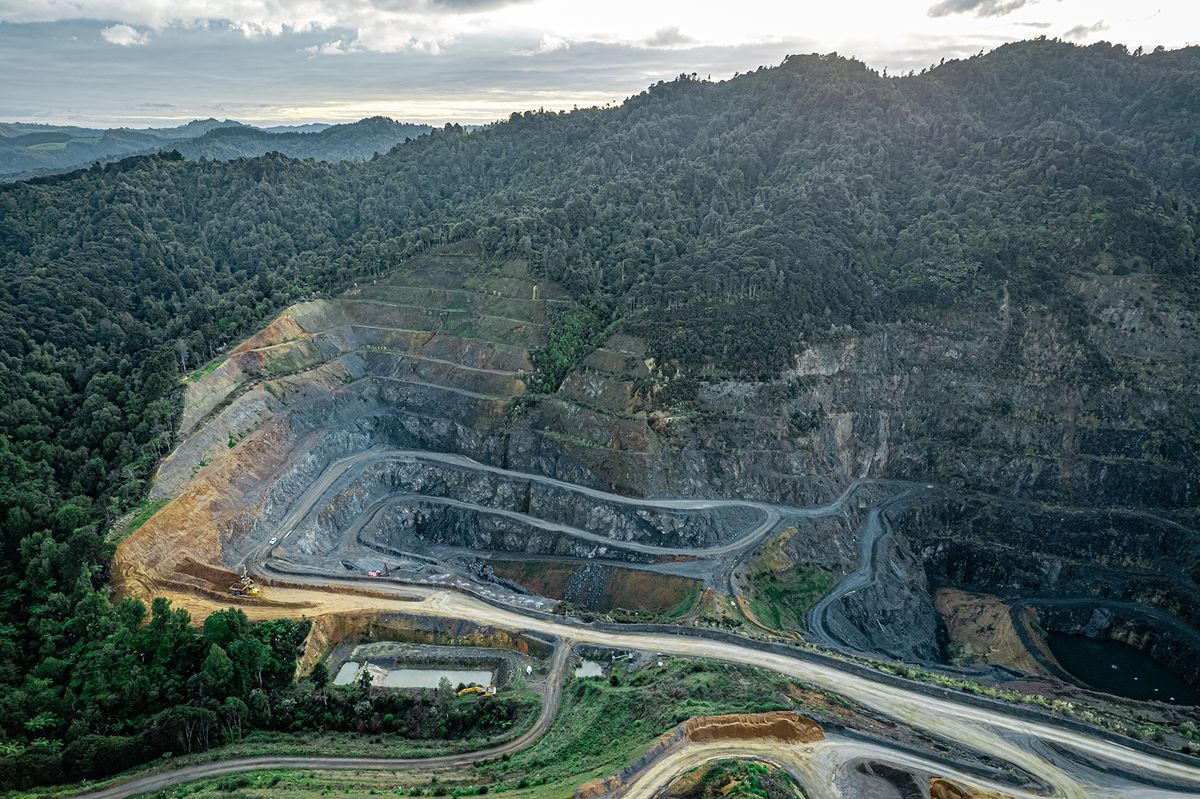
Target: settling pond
x=416, y=678
x=1118, y=668
x=589, y=668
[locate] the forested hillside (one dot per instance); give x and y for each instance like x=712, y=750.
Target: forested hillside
x=37, y=150
x=726, y=223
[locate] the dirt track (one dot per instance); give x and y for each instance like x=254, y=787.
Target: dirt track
x=165, y=779
x=994, y=730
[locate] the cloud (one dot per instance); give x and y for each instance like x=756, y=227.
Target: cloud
x=124, y=36
x=551, y=43
x=669, y=37
x=379, y=25
x=338, y=47
x=980, y=8
x=470, y=6
x=1082, y=31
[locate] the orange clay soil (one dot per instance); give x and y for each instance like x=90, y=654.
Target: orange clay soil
x=180, y=546
x=781, y=725
x=982, y=626
x=944, y=789
x=283, y=328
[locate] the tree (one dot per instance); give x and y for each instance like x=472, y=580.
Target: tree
x=216, y=674
x=364, y=683
x=319, y=676
x=233, y=715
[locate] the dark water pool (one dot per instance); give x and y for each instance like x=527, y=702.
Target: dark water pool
x=1118, y=668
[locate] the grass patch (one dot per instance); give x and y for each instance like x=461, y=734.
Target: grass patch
x=547, y=578
x=737, y=779
x=601, y=727
x=629, y=595
x=568, y=438
x=657, y=597
x=780, y=599
x=207, y=369
x=139, y=516
x=290, y=362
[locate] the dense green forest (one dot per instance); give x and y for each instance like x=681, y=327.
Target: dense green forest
x=724, y=222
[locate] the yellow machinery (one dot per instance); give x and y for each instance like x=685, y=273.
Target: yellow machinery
x=245, y=585
x=486, y=693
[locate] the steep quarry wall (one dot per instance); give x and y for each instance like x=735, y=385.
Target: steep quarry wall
x=1016, y=549
x=894, y=613
x=436, y=357
x=328, y=631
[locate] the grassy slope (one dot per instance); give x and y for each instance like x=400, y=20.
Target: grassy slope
x=780, y=599
x=737, y=779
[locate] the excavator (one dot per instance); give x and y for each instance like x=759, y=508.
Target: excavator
x=485, y=693
x=245, y=585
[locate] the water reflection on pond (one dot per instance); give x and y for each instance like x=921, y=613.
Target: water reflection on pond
x=589, y=668
x=1118, y=668
x=429, y=678
x=416, y=678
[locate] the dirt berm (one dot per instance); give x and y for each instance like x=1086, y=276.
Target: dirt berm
x=944, y=789
x=779, y=725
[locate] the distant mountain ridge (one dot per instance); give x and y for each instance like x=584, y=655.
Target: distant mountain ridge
x=32, y=149
x=357, y=141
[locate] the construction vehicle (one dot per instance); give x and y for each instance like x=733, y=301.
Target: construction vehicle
x=245, y=585
x=385, y=573
x=485, y=693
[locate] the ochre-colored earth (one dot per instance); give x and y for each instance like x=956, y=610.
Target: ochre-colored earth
x=982, y=628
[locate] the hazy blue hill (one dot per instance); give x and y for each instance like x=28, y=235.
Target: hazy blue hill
x=33, y=150
x=357, y=141
x=30, y=149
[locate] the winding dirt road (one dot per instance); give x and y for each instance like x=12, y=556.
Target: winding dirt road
x=1038, y=744
x=551, y=697
x=874, y=531
x=992, y=729
x=771, y=516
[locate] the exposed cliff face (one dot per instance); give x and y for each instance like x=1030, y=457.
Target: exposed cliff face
x=1016, y=549
x=1006, y=401
x=894, y=614
x=328, y=631
x=1007, y=409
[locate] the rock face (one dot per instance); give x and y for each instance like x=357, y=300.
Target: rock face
x=894, y=615
x=869, y=778
x=1015, y=549
x=1065, y=466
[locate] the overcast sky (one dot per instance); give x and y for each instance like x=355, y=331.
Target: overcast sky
x=156, y=62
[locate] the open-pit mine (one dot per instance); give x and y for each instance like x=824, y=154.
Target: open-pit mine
x=378, y=455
